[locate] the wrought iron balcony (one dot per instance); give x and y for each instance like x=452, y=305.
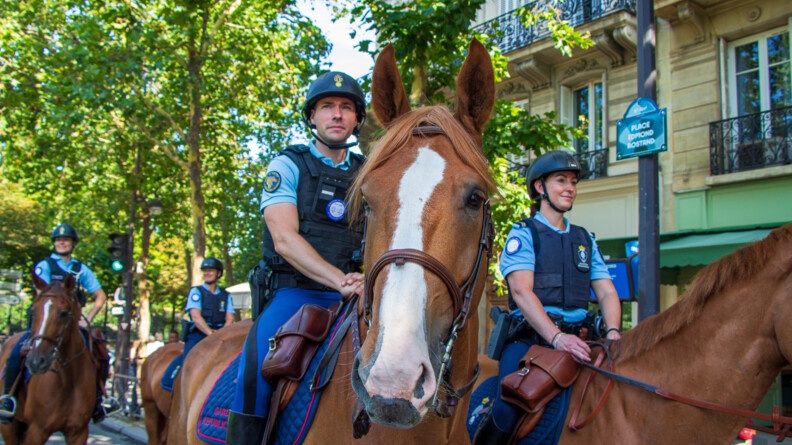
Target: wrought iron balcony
x=594, y=164
x=510, y=34
x=750, y=142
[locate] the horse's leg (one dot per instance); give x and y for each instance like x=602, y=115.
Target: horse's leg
x=78, y=437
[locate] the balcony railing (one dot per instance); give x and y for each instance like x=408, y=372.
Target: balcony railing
x=510, y=34
x=594, y=164
x=750, y=142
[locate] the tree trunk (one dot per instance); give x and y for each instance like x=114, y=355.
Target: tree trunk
x=194, y=165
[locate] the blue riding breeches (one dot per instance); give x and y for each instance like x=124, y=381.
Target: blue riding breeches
x=285, y=303
x=506, y=415
x=14, y=363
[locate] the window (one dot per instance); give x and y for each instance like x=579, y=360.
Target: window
x=760, y=88
x=507, y=6
x=588, y=112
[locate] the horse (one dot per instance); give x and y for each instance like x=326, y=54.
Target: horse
x=425, y=189
x=724, y=342
x=61, y=393
x=156, y=400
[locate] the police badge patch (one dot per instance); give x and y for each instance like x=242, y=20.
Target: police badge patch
x=196, y=297
x=513, y=245
x=272, y=181
x=336, y=209
x=583, y=258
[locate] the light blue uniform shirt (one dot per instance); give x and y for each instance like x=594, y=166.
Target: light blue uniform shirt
x=195, y=299
x=518, y=254
x=283, y=176
x=85, y=277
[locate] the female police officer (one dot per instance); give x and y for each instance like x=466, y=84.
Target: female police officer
x=549, y=265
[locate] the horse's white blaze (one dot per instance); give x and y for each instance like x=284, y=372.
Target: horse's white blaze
x=403, y=352
x=45, y=317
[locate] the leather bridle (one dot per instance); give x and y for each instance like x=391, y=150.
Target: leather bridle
x=58, y=341
x=462, y=295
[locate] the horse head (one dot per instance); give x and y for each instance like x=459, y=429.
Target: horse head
x=425, y=189
x=56, y=313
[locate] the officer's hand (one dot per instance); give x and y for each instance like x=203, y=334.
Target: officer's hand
x=352, y=283
x=83, y=323
x=575, y=346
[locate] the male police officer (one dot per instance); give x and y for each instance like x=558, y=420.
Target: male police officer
x=57, y=267
x=307, y=241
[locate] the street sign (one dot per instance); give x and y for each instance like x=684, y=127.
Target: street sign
x=14, y=287
x=11, y=274
x=642, y=131
x=117, y=310
x=9, y=299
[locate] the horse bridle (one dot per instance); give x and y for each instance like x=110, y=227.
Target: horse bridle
x=461, y=295
x=59, y=339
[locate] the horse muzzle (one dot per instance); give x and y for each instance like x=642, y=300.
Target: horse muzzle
x=39, y=362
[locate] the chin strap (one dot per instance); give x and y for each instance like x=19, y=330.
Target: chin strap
x=335, y=146
x=546, y=197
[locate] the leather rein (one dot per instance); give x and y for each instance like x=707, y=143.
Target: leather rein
x=461, y=295
x=58, y=341
x=781, y=424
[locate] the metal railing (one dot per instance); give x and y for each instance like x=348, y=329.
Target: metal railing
x=510, y=34
x=750, y=142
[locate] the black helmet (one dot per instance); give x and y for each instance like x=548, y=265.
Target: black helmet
x=211, y=262
x=65, y=230
x=551, y=162
x=335, y=83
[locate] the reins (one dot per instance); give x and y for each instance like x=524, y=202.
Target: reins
x=462, y=295
x=781, y=424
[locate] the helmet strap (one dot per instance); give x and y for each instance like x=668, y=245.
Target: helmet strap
x=335, y=146
x=546, y=197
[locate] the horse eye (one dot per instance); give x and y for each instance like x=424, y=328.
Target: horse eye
x=475, y=201
x=65, y=314
x=366, y=208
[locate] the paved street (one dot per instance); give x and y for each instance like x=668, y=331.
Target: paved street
x=110, y=431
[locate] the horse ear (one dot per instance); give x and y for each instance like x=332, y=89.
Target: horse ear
x=475, y=89
x=69, y=283
x=38, y=283
x=388, y=98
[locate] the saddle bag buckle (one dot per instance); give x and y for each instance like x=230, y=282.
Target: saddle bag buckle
x=273, y=343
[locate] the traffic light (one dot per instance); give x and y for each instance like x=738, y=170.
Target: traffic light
x=119, y=252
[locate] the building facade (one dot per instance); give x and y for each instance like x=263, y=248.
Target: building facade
x=724, y=74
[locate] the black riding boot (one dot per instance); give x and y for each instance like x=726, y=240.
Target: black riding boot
x=245, y=429
x=7, y=401
x=489, y=434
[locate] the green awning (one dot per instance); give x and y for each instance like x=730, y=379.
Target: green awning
x=700, y=250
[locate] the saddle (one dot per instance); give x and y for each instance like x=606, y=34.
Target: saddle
x=292, y=349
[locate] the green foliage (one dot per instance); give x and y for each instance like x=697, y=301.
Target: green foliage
x=564, y=36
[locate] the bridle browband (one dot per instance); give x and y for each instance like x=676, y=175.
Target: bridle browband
x=462, y=295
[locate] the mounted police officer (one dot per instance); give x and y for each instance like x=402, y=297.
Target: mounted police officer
x=550, y=266
x=308, y=246
x=210, y=306
x=57, y=267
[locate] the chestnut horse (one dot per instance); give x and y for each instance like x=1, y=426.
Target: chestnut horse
x=61, y=393
x=425, y=189
x=724, y=342
x=156, y=401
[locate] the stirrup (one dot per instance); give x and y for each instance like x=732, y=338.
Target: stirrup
x=111, y=406
x=8, y=414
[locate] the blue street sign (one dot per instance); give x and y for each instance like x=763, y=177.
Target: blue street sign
x=642, y=131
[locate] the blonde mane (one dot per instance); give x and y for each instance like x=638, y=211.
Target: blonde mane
x=395, y=139
x=741, y=265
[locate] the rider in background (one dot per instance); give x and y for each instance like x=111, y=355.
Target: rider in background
x=307, y=241
x=210, y=306
x=550, y=266
x=56, y=267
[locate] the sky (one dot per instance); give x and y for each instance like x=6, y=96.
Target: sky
x=344, y=56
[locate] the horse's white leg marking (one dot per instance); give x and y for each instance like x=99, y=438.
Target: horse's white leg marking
x=403, y=353
x=43, y=327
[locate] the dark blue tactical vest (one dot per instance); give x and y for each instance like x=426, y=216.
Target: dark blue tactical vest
x=324, y=219
x=562, y=272
x=58, y=274
x=213, y=307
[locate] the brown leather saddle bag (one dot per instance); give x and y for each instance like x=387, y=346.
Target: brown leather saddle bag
x=294, y=345
x=542, y=374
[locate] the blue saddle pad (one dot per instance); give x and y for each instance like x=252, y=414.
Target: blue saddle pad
x=293, y=422
x=547, y=431
x=171, y=372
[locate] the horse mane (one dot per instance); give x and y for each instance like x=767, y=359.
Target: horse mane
x=394, y=141
x=744, y=263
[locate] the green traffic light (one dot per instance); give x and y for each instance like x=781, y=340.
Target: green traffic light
x=117, y=266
